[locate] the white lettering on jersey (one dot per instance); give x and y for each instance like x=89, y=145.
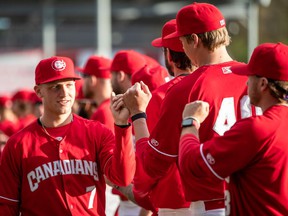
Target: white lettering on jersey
x=226, y=116
x=61, y=167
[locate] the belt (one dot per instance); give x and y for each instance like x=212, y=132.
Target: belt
x=214, y=204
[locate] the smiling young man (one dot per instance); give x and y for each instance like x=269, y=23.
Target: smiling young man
x=62, y=158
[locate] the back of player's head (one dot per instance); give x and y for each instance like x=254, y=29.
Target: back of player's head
x=172, y=43
x=268, y=60
x=152, y=77
x=97, y=66
x=197, y=18
x=54, y=68
x=128, y=61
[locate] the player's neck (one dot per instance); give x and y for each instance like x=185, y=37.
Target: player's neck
x=56, y=122
x=218, y=56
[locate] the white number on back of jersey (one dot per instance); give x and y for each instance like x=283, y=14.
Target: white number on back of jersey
x=226, y=116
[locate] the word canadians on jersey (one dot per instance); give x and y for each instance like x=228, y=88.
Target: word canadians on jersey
x=61, y=167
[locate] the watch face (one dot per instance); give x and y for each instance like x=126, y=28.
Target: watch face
x=187, y=122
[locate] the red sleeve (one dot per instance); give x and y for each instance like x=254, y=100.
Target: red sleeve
x=8, y=210
x=142, y=184
x=153, y=109
x=120, y=168
x=155, y=165
x=10, y=175
x=190, y=157
x=220, y=156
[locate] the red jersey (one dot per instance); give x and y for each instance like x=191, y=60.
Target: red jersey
x=142, y=182
x=44, y=176
x=104, y=115
x=154, y=105
x=9, y=127
x=159, y=153
x=254, y=153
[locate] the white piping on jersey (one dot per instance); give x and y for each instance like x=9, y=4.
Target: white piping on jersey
x=168, y=155
x=9, y=199
x=107, y=162
x=208, y=165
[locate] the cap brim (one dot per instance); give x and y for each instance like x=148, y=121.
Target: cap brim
x=173, y=35
x=60, y=78
x=242, y=70
x=157, y=42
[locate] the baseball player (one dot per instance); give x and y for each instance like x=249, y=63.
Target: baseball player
x=56, y=165
x=124, y=64
x=178, y=65
x=253, y=154
x=22, y=106
x=201, y=29
x=97, y=85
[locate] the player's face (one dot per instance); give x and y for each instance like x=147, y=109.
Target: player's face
x=167, y=62
x=115, y=84
x=58, y=97
x=253, y=90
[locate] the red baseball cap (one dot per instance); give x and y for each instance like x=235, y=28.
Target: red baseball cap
x=24, y=95
x=152, y=77
x=197, y=18
x=268, y=60
x=4, y=100
x=97, y=66
x=128, y=61
x=54, y=68
x=172, y=43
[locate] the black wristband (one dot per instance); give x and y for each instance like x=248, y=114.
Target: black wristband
x=123, y=126
x=138, y=115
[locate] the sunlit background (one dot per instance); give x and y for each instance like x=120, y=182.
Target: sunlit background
x=31, y=30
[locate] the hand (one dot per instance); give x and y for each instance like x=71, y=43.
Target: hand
x=137, y=98
x=120, y=112
x=197, y=109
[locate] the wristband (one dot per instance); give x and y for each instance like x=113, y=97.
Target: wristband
x=123, y=126
x=138, y=115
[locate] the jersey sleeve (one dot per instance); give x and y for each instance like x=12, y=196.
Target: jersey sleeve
x=159, y=152
x=120, y=167
x=220, y=156
x=153, y=111
x=10, y=175
x=142, y=184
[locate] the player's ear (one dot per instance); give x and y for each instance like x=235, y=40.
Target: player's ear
x=37, y=90
x=120, y=76
x=93, y=80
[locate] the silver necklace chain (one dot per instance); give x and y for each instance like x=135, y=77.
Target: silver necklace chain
x=55, y=138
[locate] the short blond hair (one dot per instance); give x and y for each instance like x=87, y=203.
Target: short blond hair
x=213, y=39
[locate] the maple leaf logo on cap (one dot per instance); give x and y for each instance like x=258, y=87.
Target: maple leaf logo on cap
x=59, y=65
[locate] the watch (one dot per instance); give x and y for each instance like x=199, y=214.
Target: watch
x=188, y=122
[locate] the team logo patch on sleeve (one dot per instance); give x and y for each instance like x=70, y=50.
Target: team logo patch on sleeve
x=210, y=159
x=154, y=142
x=59, y=65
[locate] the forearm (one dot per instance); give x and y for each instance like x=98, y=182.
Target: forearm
x=140, y=129
x=123, y=162
x=127, y=192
